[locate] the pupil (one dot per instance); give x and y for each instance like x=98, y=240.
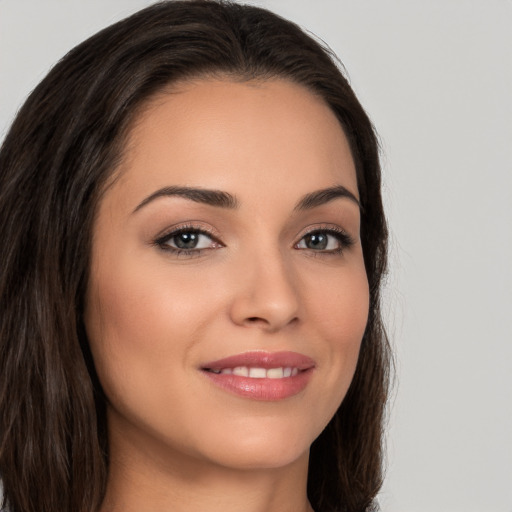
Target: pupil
x=186, y=240
x=316, y=241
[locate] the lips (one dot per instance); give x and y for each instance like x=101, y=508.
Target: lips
x=261, y=375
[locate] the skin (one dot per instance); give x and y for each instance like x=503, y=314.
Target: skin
x=177, y=441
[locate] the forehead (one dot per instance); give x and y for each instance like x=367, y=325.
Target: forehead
x=221, y=134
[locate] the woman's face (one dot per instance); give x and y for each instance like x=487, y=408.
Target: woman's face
x=228, y=295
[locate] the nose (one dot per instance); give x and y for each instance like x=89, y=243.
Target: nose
x=267, y=295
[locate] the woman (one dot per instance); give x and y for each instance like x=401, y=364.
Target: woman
x=193, y=245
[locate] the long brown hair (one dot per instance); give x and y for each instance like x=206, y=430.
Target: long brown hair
x=54, y=164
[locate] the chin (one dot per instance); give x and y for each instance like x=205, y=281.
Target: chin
x=260, y=456
x=266, y=445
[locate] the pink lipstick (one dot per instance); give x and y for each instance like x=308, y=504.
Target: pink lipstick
x=261, y=375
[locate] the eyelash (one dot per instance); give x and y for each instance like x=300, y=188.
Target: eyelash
x=162, y=242
x=344, y=239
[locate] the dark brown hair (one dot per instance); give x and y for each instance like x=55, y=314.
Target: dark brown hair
x=54, y=164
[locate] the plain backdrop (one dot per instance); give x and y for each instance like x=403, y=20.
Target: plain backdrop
x=436, y=79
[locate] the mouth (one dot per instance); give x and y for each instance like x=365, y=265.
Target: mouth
x=257, y=373
x=261, y=375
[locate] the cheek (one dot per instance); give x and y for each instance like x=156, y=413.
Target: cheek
x=338, y=304
x=144, y=327
x=340, y=312
x=146, y=320
x=121, y=319
x=136, y=297
x=141, y=313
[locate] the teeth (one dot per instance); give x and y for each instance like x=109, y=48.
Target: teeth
x=275, y=373
x=241, y=371
x=258, y=373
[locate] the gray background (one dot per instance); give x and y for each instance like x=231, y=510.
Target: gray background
x=436, y=78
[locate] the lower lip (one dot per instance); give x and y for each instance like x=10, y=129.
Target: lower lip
x=261, y=389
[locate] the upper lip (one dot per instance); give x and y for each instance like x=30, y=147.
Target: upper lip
x=261, y=359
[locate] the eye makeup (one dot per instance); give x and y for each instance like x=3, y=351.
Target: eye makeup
x=191, y=240
x=188, y=240
x=330, y=240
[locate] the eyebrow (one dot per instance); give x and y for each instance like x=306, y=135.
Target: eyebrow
x=222, y=199
x=324, y=196
x=198, y=195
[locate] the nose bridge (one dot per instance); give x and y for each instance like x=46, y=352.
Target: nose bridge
x=267, y=292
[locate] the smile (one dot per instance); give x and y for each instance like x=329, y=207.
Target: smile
x=258, y=373
x=261, y=375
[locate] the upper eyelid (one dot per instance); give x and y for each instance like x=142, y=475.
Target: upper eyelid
x=327, y=227
x=180, y=228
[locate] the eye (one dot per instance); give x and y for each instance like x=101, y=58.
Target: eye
x=190, y=240
x=187, y=240
x=332, y=241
